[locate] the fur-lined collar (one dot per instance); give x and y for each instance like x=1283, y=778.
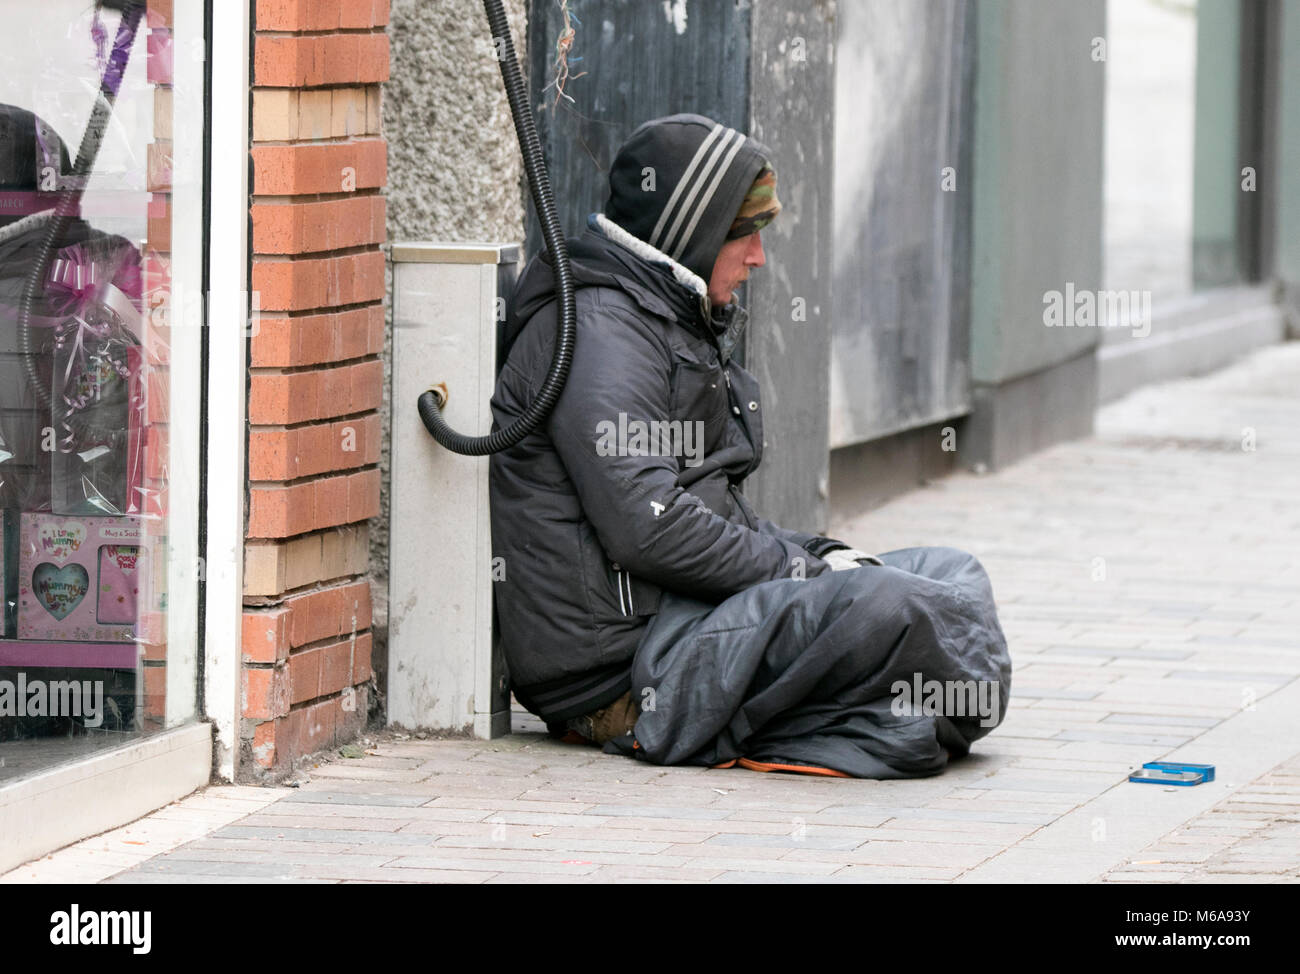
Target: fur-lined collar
x=682, y=274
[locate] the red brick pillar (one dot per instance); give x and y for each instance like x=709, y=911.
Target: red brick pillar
x=315, y=378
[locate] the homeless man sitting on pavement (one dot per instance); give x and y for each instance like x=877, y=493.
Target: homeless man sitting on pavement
x=644, y=606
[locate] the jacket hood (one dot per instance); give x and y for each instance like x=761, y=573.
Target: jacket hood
x=677, y=184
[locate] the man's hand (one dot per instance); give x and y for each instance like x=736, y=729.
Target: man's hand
x=844, y=558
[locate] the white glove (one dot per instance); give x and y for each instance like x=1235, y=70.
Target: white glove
x=844, y=558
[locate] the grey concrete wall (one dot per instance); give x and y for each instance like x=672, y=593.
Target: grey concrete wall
x=454, y=172
x=903, y=139
x=1217, y=173
x=792, y=95
x=1037, y=221
x=1039, y=101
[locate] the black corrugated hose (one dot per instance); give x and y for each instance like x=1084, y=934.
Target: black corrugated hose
x=430, y=403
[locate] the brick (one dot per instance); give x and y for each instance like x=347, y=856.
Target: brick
x=296, y=170
x=281, y=398
x=285, y=398
x=316, y=728
x=326, y=59
x=335, y=666
x=308, y=227
x=326, y=613
x=319, y=282
x=280, y=14
x=316, y=452
x=317, y=338
x=304, y=675
x=275, y=566
x=315, y=615
x=363, y=13
x=158, y=164
x=330, y=504
x=363, y=496
x=157, y=396
x=265, y=635
x=357, y=607
x=155, y=623
x=275, y=114
x=363, y=434
x=158, y=13
x=158, y=228
x=344, y=551
x=348, y=112
x=155, y=688
x=279, y=512
x=264, y=567
x=373, y=103
x=264, y=735
x=278, y=339
x=315, y=113
x=156, y=451
x=298, y=15
x=361, y=657
x=367, y=386
x=159, y=56
x=266, y=692
x=305, y=561
x=335, y=386
x=372, y=57
x=162, y=113
x=272, y=454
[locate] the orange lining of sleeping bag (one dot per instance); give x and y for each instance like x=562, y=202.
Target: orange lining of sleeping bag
x=766, y=766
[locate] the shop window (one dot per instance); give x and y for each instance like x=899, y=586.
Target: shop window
x=100, y=338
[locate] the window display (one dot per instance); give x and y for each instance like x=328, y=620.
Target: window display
x=98, y=501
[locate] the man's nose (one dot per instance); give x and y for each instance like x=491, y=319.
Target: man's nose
x=756, y=257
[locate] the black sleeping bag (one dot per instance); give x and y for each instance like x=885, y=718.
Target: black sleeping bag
x=878, y=672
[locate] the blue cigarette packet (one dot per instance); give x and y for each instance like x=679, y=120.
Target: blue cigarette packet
x=1157, y=776
x=1205, y=770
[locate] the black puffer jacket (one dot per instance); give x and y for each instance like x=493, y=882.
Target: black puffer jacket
x=593, y=526
x=589, y=540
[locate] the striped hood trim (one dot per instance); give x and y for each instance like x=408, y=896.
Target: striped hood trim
x=677, y=184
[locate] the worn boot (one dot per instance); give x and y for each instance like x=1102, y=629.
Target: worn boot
x=613, y=720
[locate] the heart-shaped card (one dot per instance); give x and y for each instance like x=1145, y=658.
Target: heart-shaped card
x=60, y=589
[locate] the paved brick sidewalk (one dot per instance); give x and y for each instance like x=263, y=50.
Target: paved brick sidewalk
x=1149, y=583
x=1251, y=837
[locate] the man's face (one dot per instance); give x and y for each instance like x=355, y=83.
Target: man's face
x=731, y=269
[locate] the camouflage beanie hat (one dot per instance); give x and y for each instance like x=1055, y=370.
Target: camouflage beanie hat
x=759, y=207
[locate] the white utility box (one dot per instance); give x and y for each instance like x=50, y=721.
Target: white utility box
x=443, y=670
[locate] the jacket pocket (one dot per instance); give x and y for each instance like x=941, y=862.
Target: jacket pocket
x=614, y=594
x=598, y=578
x=699, y=398
x=636, y=596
